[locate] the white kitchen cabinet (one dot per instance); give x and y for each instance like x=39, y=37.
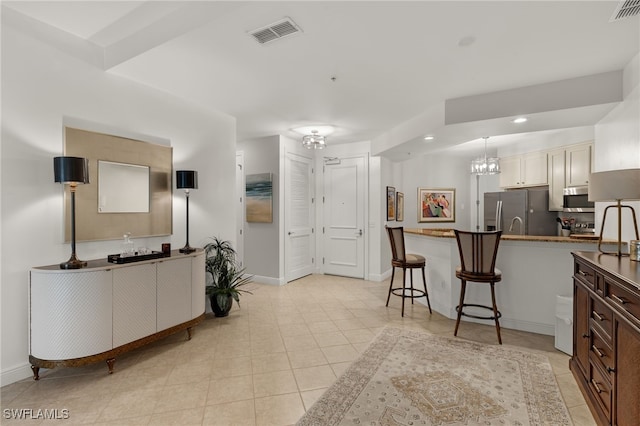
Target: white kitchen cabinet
x=81, y=316
x=524, y=170
x=567, y=166
x=556, y=178
x=578, y=165
x=510, y=172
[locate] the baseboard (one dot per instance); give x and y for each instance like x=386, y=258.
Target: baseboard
x=15, y=374
x=380, y=277
x=268, y=280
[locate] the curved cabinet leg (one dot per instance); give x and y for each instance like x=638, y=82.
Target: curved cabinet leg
x=189, y=329
x=36, y=372
x=110, y=363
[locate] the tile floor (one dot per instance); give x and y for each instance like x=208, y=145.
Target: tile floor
x=262, y=365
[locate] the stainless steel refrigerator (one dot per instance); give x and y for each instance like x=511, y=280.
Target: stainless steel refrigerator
x=519, y=212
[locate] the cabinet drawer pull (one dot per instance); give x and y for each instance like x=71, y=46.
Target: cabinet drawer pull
x=611, y=370
x=595, y=385
x=618, y=299
x=585, y=336
x=597, y=351
x=584, y=274
x=598, y=316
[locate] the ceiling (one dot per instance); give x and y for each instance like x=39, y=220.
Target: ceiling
x=375, y=70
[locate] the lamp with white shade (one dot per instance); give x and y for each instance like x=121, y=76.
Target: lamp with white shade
x=616, y=185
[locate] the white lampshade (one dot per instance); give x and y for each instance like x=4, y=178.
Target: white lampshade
x=614, y=185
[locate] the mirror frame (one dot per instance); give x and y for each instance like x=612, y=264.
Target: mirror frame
x=94, y=226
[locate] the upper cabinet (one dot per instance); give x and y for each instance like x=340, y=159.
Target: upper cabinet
x=578, y=165
x=556, y=178
x=524, y=170
x=567, y=166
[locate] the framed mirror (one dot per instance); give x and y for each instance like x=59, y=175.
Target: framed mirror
x=129, y=190
x=122, y=188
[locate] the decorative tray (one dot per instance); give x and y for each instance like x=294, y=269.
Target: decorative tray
x=116, y=258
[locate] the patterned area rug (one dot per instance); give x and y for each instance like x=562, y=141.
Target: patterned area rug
x=408, y=377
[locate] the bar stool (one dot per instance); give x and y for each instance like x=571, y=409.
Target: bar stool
x=400, y=259
x=478, y=251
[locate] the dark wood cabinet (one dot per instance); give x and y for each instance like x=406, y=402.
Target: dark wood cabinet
x=606, y=336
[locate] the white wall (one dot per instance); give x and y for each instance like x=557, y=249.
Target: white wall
x=435, y=171
x=262, y=240
x=617, y=146
x=42, y=88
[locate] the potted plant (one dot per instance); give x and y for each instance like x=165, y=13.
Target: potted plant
x=224, y=278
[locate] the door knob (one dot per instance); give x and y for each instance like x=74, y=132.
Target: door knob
x=360, y=232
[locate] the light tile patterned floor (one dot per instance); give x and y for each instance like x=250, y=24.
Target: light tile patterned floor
x=263, y=365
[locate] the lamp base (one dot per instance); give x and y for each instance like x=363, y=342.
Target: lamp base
x=73, y=263
x=187, y=249
x=619, y=207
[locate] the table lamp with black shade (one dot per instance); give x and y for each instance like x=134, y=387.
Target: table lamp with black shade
x=72, y=171
x=616, y=185
x=187, y=180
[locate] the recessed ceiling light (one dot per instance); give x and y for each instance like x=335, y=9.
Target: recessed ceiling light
x=429, y=138
x=519, y=120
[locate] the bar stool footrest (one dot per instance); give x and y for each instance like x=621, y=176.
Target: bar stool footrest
x=477, y=316
x=420, y=293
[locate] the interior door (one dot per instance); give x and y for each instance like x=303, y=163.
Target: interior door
x=344, y=217
x=299, y=217
x=240, y=190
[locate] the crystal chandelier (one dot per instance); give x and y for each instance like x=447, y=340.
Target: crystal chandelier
x=313, y=141
x=485, y=165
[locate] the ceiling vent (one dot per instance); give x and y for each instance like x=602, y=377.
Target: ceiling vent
x=626, y=9
x=275, y=31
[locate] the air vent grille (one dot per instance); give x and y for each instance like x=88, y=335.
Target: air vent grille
x=275, y=31
x=626, y=9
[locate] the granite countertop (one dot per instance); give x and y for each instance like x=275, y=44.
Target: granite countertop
x=448, y=233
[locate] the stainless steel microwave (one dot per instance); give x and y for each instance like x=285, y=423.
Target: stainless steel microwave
x=576, y=199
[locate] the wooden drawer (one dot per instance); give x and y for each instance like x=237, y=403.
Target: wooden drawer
x=601, y=354
x=601, y=388
x=602, y=318
x=624, y=298
x=585, y=274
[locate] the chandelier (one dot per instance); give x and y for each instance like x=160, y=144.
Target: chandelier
x=313, y=141
x=485, y=165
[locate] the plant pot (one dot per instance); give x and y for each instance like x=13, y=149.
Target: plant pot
x=565, y=232
x=220, y=311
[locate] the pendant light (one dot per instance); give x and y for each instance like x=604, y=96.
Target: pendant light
x=485, y=165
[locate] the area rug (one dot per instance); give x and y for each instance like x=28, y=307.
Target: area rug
x=408, y=377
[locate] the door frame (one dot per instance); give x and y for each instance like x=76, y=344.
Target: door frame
x=240, y=211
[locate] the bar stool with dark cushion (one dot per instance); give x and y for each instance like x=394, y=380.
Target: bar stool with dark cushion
x=400, y=259
x=478, y=251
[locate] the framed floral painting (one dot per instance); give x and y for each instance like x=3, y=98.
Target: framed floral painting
x=436, y=205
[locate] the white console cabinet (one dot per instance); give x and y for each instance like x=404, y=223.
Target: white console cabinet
x=92, y=314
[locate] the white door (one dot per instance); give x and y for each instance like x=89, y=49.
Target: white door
x=299, y=217
x=344, y=217
x=240, y=190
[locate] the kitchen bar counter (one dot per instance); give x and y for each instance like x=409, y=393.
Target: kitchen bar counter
x=448, y=233
x=535, y=269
